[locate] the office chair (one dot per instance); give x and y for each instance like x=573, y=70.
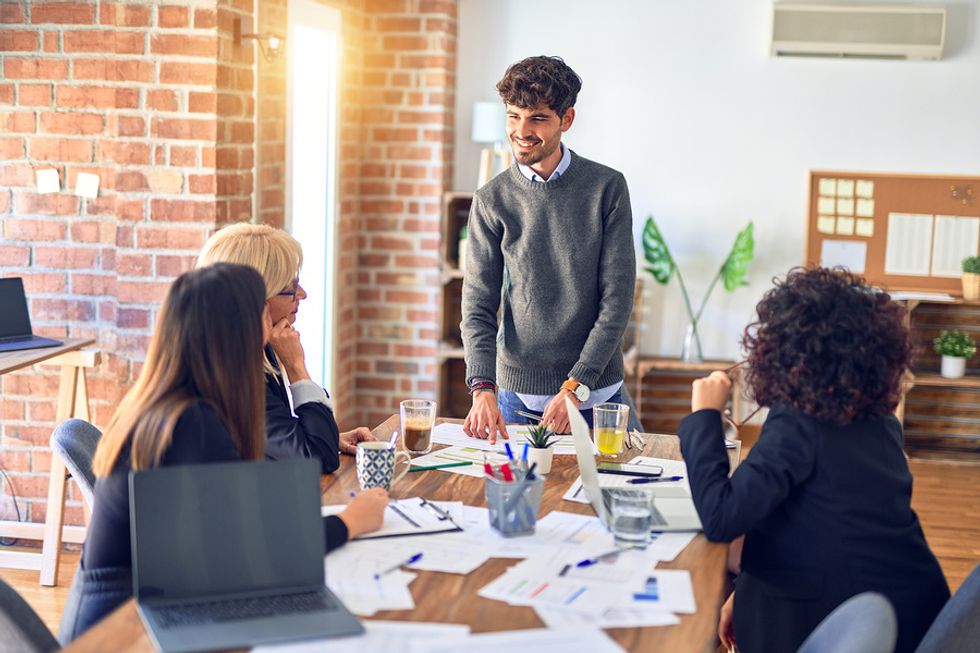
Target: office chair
x=864, y=623
x=75, y=441
x=21, y=630
x=957, y=626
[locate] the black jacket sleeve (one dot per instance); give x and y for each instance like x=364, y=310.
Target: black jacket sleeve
x=311, y=433
x=728, y=507
x=336, y=532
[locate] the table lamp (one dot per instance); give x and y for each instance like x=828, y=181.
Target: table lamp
x=488, y=127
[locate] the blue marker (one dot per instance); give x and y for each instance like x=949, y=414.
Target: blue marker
x=510, y=454
x=413, y=559
x=524, y=454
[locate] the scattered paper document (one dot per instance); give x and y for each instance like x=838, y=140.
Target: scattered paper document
x=845, y=253
x=625, y=616
x=379, y=637
x=454, y=454
x=452, y=434
x=905, y=295
x=909, y=244
x=955, y=238
x=670, y=589
x=573, y=640
x=530, y=588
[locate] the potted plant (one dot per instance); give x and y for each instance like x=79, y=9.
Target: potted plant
x=732, y=272
x=956, y=347
x=971, y=277
x=541, y=441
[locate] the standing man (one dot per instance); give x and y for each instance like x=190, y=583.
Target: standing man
x=551, y=239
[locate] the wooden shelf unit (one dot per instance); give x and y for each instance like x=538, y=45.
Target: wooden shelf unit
x=452, y=394
x=941, y=417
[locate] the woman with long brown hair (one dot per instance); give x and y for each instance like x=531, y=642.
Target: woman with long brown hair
x=199, y=399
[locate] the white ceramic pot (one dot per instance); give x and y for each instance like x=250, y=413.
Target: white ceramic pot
x=542, y=457
x=953, y=367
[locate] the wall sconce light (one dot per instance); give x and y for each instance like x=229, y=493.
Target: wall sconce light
x=270, y=44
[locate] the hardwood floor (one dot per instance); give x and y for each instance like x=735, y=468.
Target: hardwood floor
x=946, y=498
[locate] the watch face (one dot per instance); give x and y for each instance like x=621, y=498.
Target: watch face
x=582, y=392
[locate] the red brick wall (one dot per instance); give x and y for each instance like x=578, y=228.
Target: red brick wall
x=154, y=99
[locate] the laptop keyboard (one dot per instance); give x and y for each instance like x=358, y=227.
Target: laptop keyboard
x=210, y=612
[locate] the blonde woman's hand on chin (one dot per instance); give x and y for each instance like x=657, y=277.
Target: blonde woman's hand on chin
x=349, y=439
x=285, y=342
x=365, y=512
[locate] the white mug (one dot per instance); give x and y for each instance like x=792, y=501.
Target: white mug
x=376, y=464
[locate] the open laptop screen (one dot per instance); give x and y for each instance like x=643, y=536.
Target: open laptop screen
x=226, y=528
x=14, y=318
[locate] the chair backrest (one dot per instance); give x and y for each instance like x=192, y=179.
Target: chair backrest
x=864, y=623
x=75, y=441
x=21, y=630
x=957, y=626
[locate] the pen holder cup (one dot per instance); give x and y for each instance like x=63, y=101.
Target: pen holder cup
x=522, y=514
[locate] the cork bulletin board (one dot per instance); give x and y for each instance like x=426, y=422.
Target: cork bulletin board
x=902, y=232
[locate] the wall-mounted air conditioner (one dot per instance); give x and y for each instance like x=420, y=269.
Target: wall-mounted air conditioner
x=859, y=31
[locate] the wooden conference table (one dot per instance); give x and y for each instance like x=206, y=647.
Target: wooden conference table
x=452, y=598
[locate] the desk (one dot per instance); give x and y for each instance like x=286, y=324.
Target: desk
x=72, y=402
x=452, y=598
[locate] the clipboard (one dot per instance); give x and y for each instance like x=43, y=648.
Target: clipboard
x=407, y=517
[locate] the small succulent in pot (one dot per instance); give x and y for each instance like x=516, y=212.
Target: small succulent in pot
x=540, y=436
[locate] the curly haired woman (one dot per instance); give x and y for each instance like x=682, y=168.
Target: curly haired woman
x=823, y=498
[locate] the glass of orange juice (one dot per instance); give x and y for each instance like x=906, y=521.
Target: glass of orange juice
x=609, y=424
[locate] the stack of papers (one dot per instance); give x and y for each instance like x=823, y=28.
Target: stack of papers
x=624, y=592
x=413, y=516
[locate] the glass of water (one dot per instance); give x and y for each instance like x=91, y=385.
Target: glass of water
x=632, y=517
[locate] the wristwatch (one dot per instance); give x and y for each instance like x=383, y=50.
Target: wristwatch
x=580, y=390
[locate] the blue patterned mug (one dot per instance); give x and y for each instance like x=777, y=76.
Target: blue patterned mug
x=376, y=464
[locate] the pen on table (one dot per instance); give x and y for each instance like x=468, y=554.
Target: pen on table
x=661, y=479
x=441, y=466
x=413, y=559
x=588, y=562
x=391, y=442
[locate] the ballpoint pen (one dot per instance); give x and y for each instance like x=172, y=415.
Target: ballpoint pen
x=661, y=479
x=536, y=418
x=391, y=442
x=398, y=511
x=524, y=454
x=414, y=558
x=588, y=562
x=510, y=453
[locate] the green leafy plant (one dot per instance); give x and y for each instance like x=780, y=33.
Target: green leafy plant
x=732, y=272
x=971, y=264
x=540, y=437
x=955, y=343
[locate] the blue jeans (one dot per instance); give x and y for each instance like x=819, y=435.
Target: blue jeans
x=93, y=595
x=509, y=403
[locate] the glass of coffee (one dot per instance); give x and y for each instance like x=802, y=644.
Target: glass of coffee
x=418, y=418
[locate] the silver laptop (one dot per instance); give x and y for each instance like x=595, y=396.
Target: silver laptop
x=15, y=320
x=673, y=510
x=231, y=555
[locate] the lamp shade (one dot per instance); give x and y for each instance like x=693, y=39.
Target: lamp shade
x=488, y=122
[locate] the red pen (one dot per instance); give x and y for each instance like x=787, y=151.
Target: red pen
x=505, y=470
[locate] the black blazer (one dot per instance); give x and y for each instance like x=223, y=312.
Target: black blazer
x=826, y=514
x=311, y=433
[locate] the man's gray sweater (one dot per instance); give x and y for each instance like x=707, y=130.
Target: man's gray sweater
x=559, y=257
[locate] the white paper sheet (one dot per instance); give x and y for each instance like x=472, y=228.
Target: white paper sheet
x=908, y=245
x=845, y=187
x=572, y=640
x=618, y=616
x=828, y=186
x=530, y=588
x=403, y=517
x=827, y=205
x=847, y=253
x=379, y=637
x=955, y=239
x=845, y=226
x=826, y=224
x=865, y=208
x=452, y=434
x=865, y=188
x=864, y=228
x=576, y=494
x=669, y=589
x=845, y=207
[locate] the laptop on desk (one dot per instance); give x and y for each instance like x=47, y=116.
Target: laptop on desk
x=231, y=555
x=672, y=510
x=15, y=320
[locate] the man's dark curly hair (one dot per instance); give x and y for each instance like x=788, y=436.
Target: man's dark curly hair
x=828, y=345
x=540, y=80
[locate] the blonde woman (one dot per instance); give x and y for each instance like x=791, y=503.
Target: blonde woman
x=309, y=428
